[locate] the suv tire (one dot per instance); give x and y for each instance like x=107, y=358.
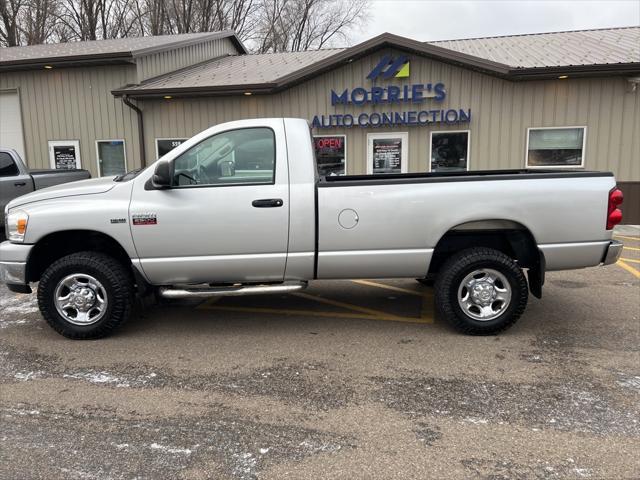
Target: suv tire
x=86, y=295
x=481, y=291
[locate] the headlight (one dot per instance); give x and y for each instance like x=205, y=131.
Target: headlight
x=16, y=225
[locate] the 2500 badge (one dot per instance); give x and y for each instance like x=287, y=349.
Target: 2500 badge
x=144, y=219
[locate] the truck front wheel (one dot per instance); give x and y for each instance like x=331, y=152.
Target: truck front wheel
x=481, y=291
x=85, y=295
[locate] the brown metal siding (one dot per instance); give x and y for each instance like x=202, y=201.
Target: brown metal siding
x=159, y=63
x=631, y=205
x=74, y=104
x=501, y=113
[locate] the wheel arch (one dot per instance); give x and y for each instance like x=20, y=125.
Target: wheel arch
x=507, y=236
x=65, y=242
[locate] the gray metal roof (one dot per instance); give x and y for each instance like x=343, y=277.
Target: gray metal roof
x=558, y=49
x=547, y=55
x=239, y=70
x=112, y=48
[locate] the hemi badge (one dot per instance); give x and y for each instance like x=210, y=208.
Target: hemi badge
x=144, y=219
x=118, y=220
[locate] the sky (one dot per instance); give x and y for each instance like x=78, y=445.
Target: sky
x=453, y=19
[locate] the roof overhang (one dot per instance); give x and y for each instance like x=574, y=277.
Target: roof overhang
x=386, y=40
x=118, y=58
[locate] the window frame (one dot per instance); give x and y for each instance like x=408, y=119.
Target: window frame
x=15, y=164
x=429, y=158
x=554, y=167
x=404, y=167
x=211, y=185
x=62, y=143
x=155, y=141
x=344, y=139
x=124, y=148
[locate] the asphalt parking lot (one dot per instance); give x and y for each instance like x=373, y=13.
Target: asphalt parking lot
x=350, y=379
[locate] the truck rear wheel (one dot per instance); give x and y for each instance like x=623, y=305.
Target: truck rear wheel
x=85, y=295
x=481, y=291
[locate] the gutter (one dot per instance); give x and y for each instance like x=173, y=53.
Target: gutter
x=136, y=109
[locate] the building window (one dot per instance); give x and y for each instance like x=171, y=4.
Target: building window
x=449, y=151
x=330, y=154
x=64, y=154
x=387, y=152
x=165, y=145
x=111, y=157
x=556, y=147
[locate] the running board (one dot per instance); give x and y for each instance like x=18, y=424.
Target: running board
x=206, y=292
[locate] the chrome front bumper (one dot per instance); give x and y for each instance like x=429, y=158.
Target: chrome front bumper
x=13, y=273
x=613, y=252
x=13, y=263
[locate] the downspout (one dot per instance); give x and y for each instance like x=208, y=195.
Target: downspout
x=136, y=109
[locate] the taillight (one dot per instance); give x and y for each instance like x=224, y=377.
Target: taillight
x=614, y=214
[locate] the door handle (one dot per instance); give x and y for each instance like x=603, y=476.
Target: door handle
x=268, y=203
x=19, y=184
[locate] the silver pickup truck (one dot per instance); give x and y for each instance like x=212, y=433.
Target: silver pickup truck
x=16, y=179
x=239, y=209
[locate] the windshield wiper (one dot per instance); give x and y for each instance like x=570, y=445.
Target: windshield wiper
x=128, y=175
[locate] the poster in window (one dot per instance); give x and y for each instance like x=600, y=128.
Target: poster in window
x=165, y=145
x=330, y=155
x=387, y=155
x=449, y=151
x=64, y=157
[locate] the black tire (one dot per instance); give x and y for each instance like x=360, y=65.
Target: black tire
x=115, y=279
x=453, y=272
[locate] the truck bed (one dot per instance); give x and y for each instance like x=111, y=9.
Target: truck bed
x=49, y=178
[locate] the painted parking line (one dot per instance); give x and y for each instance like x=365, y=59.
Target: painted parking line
x=388, y=287
x=632, y=260
x=347, y=306
x=637, y=239
x=357, y=311
x=631, y=248
x=315, y=313
x=426, y=311
x=629, y=268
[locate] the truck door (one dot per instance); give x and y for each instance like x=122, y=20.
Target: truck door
x=12, y=182
x=226, y=217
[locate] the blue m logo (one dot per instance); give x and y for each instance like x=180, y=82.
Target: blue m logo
x=388, y=68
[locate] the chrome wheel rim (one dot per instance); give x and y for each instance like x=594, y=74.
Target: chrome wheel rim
x=80, y=299
x=484, y=294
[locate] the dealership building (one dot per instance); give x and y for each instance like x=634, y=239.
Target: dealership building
x=565, y=100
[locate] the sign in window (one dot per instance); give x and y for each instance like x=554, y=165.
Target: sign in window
x=449, y=151
x=330, y=154
x=111, y=157
x=556, y=147
x=387, y=153
x=165, y=145
x=64, y=154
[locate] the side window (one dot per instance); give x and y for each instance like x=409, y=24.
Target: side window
x=8, y=167
x=235, y=157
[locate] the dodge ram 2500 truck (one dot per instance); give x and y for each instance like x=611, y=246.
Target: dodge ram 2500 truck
x=239, y=209
x=16, y=179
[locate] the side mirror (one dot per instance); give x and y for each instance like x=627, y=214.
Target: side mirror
x=162, y=175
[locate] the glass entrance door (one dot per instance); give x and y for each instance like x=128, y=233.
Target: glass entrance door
x=111, y=157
